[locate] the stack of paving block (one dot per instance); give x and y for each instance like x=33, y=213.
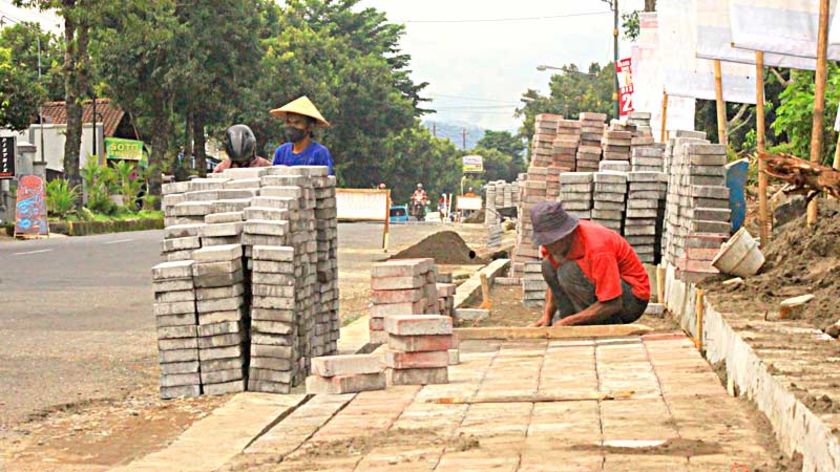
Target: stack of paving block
x=609, y=194
x=552, y=182
x=418, y=349
x=697, y=209
x=648, y=158
x=446, y=298
x=346, y=374
x=642, y=132
x=328, y=324
x=576, y=193
x=542, y=145
x=275, y=340
x=494, y=235
x=591, y=133
x=645, y=211
x=616, y=143
x=401, y=287
x=533, y=285
x=566, y=143
x=673, y=235
x=175, y=319
x=180, y=240
x=218, y=276
x=532, y=191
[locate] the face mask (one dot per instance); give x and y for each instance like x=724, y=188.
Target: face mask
x=295, y=135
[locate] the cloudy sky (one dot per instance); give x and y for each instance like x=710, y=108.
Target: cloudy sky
x=477, y=70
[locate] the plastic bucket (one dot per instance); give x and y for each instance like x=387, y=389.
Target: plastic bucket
x=740, y=255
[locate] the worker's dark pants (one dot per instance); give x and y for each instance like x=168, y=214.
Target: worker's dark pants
x=573, y=293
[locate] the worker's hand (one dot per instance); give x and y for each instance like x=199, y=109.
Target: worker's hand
x=542, y=322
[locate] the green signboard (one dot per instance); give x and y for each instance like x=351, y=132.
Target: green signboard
x=123, y=149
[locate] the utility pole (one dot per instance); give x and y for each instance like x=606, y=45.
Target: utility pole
x=93, y=94
x=464, y=138
x=434, y=129
x=614, y=7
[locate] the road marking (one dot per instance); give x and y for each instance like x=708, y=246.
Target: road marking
x=31, y=252
x=119, y=241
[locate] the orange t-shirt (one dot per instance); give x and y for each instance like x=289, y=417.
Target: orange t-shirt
x=605, y=258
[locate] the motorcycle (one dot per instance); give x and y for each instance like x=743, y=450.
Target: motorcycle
x=418, y=210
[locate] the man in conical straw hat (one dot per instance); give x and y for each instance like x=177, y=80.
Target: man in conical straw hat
x=301, y=119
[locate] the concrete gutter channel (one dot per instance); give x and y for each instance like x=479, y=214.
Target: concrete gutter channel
x=751, y=373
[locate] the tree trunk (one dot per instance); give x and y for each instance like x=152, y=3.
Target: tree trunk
x=75, y=85
x=650, y=5
x=160, y=141
x=188, y=143
x=198, y=136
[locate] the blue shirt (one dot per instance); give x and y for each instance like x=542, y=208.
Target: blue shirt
x=316, y=154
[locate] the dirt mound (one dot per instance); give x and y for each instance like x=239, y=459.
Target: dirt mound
x=446, y=247
x=799, y=260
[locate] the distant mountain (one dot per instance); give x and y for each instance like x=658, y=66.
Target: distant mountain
x=453, y=131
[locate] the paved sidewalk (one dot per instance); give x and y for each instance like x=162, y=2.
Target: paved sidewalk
x=679, y=417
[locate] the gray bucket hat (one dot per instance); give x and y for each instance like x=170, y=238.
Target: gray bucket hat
x=551, y=223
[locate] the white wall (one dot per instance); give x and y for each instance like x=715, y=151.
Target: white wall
x=54, y=138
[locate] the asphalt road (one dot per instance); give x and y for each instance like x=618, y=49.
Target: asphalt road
x=76, y=319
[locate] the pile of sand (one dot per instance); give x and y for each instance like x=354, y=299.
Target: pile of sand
x=446, y=247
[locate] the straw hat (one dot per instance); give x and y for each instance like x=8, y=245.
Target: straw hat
x=301, y=106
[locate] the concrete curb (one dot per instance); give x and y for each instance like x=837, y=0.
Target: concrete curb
x=472, y=286
x=83, y=228
x=797, y=428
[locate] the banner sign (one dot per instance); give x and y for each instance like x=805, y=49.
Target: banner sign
x=123, y=149
x=624, y=72
x=473, y=164
x=31, y=208
x=7, y=157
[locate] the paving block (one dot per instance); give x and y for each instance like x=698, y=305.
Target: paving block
x=172, y=270
x=329, y=366
x=412, y=325
x=416, y=360
x=227, y=252
x=273, y=253
x=224, y=388
x=454, y=356
x=402, y=267
x=427, y=376
x=345, y=383
x=421, y=343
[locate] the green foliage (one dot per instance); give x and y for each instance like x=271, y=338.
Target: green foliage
x=630, y=25
x=100, y=182
x=22, y=40
x=19, y=95
x=61, y=197
x=127, y=180
x=794, y=115
x=571, y=92
x=503, y=141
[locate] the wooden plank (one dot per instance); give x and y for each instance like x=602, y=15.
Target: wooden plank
x=535, y=398
x=763, y=204
x=554, y=332
x=662, y=133
x=720, y=104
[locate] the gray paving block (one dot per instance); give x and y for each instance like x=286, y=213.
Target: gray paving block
x=216, y=329
x=222, y=376
x=181, y=319
x=172, y=270
x=220, y=304
x=203, y=294
x=216, y=268
x=221, y=316
x=182, y=391
x=227, y=217
x=177, y=344
x=175, y=296
x=269, y=314
x=218, y=253
x=188, y=367
x=178, y=355
x=176, y=332
x=224, y=388
x=216, y=365
x=225, y=352
x=230, y=205
x=220, y=340
x=173, y=308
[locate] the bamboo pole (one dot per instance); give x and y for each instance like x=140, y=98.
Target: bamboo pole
x=763, y=206
x=837, y=153
x=387, y=229
x=698, y=339
x=721, y=105
x=819, y=99
x=662, y=133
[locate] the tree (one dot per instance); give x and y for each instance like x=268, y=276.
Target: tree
x=221, y=60
x=20, y=95
x=79, y=16
x=571, y=92
x=138, y=56
x=22, y=40
x=417, y=156
x=503, y=141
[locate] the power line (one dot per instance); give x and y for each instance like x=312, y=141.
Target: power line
x=474, y=107
x=501, y=20
x=463, y=97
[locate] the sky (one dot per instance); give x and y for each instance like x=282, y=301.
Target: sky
x=491, y=63
x=12, y=14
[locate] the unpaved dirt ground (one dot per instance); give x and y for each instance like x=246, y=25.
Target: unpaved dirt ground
x=98, y=435
x=799, y=260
